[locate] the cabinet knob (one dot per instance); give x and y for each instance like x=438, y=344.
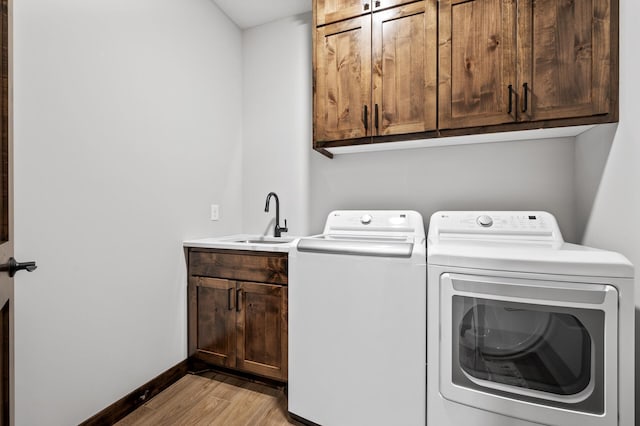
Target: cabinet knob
x=366, y=5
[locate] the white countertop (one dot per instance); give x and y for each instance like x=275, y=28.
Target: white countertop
x=243, y=242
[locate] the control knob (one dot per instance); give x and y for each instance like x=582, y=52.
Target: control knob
x=366, y=219
x=484, y=221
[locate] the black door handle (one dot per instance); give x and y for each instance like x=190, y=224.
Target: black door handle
x=13, y=266
x=525, y=91
x=366, y=118
x=376, y=120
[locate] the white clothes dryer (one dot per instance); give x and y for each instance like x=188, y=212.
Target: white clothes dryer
x=525, y=329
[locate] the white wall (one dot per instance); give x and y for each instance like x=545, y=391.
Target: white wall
x=277, y=123
x=526, y=175
x=613, y=220
x=127, y=126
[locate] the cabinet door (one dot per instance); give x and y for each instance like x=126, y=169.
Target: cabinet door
x=477, y=62
x=385, y=4
x=564, y=55
x=404, y=69
x=343, y=80
x=212, y=320
x=262, y=329
x=329, y=11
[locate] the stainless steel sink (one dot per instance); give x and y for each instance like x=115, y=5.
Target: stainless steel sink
x=261, y=242
x=265, y=241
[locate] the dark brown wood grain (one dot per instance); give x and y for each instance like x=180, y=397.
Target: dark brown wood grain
x=236, y=323
x=254, y=266
x=404, y=69
x=477, y=62
x=216, y=320
x=4, y=122
x=262, y=330
x=566, y=51
x=329, y=11
x=527, y=125
x=343, y=80
x=564, y=55
x=135, y=399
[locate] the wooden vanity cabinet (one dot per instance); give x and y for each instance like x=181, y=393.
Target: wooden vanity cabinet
x=509, y=61
x=237, y=309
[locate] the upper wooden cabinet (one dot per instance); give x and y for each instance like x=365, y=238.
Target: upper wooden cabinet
x=504, y=61
x=376, y=74
x=343, y=80
x=477, y=62
x=404, y=69
x=330, y=11
x=394, y=70
x=564, y=56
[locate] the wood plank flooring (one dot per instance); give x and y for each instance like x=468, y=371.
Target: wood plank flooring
x=213, y=399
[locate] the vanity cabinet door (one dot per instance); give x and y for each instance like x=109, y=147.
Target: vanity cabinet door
x=477, y=63
x=262, y=329
x=564, y=55
x=212, y=308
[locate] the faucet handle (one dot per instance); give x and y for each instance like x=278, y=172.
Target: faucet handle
x=285, y=229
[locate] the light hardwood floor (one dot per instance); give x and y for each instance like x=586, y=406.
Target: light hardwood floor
x=213, y=399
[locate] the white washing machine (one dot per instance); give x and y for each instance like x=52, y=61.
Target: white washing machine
x=357, y=321
x=524, y=329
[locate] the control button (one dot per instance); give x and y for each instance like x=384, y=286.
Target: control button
x=366, y=219
x=485, y=221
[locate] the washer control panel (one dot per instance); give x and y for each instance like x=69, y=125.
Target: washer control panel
x=374, y=221
x=536, y=225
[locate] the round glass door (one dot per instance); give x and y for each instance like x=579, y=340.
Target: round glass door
x=526, y=349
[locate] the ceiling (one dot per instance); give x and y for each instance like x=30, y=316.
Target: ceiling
x=249, y=13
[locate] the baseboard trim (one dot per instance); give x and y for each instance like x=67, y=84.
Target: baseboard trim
x=126, y=405
x=302, y=420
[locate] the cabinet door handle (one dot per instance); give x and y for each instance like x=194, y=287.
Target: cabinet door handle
x=510, y=99
x=366, y=5
x=230, y=299
x=376, y=119
x=238, y=299
x=366, y=118
x=377, y=3
x=525, y=96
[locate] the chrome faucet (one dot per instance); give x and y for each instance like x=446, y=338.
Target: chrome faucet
x=277, y=231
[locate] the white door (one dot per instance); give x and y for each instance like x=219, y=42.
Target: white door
x=8, y=265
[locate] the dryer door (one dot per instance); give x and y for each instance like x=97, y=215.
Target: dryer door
x=509, y=343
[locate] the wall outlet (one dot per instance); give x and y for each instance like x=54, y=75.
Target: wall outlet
x=215, y=212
